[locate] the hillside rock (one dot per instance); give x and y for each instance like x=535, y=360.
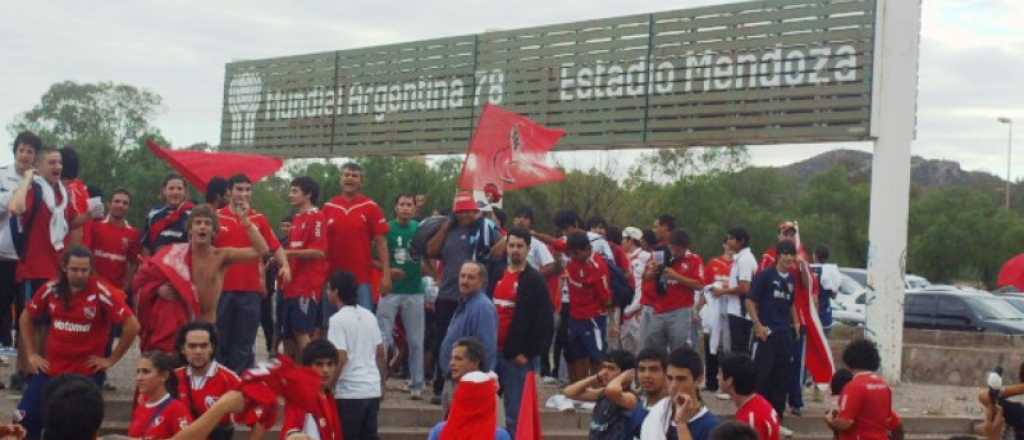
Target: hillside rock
x=927, y=173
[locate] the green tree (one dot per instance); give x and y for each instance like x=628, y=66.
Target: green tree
x=70, y=112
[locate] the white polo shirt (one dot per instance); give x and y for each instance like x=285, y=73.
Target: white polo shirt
x=743, y=269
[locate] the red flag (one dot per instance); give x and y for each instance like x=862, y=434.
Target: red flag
x=199, y=167
x=817, y=353
x=528, y=427
x=510, y=151
x=299, y=386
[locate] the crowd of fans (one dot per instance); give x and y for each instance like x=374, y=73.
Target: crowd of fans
x=631, y=319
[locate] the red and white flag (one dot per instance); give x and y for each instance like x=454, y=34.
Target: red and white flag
x=510, y=151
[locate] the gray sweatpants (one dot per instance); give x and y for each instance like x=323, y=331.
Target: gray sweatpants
x=671, y=330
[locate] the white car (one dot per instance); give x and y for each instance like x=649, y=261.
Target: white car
x=849, y=304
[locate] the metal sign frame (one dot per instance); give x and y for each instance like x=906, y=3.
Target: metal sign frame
x=757, y=72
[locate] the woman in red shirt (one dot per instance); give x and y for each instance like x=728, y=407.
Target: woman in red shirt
x=158, y=414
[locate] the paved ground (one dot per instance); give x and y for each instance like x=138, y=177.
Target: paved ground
x=912, y=400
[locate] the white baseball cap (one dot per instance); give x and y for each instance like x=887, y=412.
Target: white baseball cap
x=633, y=232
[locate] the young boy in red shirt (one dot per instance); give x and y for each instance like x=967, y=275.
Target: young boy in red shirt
x=325, y=422
x=738, y=379
x=865, y=405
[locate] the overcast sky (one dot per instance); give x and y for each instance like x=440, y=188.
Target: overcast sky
x=972, y=57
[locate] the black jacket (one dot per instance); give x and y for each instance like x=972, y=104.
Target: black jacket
x=533, y=322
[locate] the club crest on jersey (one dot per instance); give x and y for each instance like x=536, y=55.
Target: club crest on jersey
x=159, y=420
x=209, y=401
x=90, y=312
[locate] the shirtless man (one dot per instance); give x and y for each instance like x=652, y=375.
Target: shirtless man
x=209, y=262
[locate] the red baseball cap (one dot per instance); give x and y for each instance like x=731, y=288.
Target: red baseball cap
x=464, y=202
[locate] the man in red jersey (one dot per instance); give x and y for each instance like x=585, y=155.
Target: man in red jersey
x=324, y=423
x=356, y=230
x=115, y=243
x=672, y=324
x=238, y=308
x=788, y=231
x=81, y=310
x=739, y=380
x=78, y=193
x=202, y=381
x=865, y=405
x=307, y=247
x=46, y=215
x=712, y=312
x=589, y=299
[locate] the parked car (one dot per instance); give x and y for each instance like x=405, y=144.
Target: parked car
x=961, y=311
x=910, y=281
x=1015, y=298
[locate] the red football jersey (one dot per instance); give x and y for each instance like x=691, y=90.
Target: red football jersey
x=678, y=296
x=505, y=295
x=79, y=194
x=867, y=401
x=308, y=275
x=114, y=245
x=325, y=420
x=351, y=226
x=80, y=330
x=717, y=269
x=589, y=293
x=759, y=414
x=150, y=422
x=41, y=261
x=199, y=394
x=245, y=276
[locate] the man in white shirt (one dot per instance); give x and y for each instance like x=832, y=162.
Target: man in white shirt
x=362, y=364
x=737, y=334
x=26, y=147
x=540, y=257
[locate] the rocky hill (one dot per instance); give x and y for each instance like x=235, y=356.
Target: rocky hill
x=926, y=173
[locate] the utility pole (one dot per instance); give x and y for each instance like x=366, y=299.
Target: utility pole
x=1009, y=154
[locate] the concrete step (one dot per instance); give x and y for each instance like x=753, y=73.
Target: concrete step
x=397, y=415
x=403, y=418
x=410, y=433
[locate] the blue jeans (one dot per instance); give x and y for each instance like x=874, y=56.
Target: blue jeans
x=364, y=297
x=238, y=320
x=31, y=404
x=410, y=306
x=512, y=378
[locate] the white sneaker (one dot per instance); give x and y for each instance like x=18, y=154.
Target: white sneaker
x=786, y=432
x=549, y=380
x=722, y=396
x=416, y=394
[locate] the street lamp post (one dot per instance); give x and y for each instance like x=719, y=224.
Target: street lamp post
x=1009, y=153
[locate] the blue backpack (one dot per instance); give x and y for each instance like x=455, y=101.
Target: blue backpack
x=622, y=293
